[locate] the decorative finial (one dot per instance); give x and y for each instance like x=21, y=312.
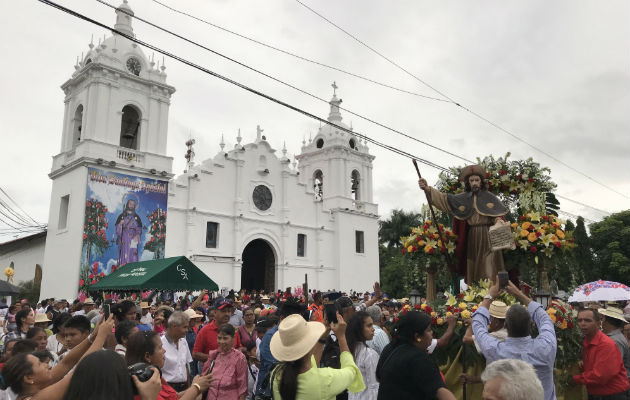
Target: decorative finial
x=76, y=65
x=239, y=137
x=259, y=132
x=351, y=128
x=91, y=45
x=334, y=86
x=310, y=137
x=284, y=149
x=152, y=60
x=303, y=140
x=163, y=67
x=222, y=144
x=114, y=49
x=294, y=162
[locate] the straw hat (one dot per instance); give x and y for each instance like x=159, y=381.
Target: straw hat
x=41, y=317
x=613, y=312
x=88, y=301
x=295, y=338
x=498, y=309
x=265, y=297
x=192, y=314
x=144, y=305
x=472, y=170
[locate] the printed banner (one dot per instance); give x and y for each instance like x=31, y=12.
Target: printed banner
x=125, y=221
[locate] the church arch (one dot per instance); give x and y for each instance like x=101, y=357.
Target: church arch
x=319, y=143
x=259, y=265
x=130, y=127
x=318, y=184
x=355, y=184
x=77, y=125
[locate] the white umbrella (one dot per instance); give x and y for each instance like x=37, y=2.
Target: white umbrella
x=600, y=291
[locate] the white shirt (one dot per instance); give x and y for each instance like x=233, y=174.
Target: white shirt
x=176, y=360
x=147, y=320
x=367, y=359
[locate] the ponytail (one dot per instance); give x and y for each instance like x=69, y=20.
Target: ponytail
x=289, y=372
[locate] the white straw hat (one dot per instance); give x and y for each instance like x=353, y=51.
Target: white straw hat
x=613, y=312
x=295, y=338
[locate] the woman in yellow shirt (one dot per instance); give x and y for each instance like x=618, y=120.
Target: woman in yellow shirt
x=298, y=345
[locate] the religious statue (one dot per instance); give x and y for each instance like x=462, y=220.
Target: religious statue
x=128, y=230
x=475, y=211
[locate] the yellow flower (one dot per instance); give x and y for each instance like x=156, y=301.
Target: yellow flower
x=560, y=233
x=427, y=248
x=448, y=313
x=514, y=224
x=421, y=243
x=551, y=311
x=8, y=271
x=465, y=314
x=428, y=222
x=470, y=296
x=526, y=225
x=451, y=300
x=463, y=306
x=553, y=318
x=475, y=308
x=532, y=237
x=423, y=306
x=433, y=314
x=564, y=324
x=524, y=233
x=554, y=238
x=440, y=321
x=409, y=249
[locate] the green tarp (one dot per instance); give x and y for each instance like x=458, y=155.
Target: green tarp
x=173, y=273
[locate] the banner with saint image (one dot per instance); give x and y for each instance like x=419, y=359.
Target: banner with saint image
x=124, y=221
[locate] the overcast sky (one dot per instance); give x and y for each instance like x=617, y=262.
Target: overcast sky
x=556, y=74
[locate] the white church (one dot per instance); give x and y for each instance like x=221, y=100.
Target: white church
x=249, y=217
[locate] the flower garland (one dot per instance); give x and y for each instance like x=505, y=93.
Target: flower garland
x=535, y=233
x=428, y=241
x=157, y=230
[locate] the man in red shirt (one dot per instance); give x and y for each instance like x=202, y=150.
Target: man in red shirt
x=207, y=336
x=604, y=374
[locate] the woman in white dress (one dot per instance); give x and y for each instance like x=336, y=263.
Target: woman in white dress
x=361, y=329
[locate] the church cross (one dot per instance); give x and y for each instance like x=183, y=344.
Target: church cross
x=334, y=86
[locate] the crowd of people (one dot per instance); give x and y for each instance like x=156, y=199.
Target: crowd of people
x=260, y=345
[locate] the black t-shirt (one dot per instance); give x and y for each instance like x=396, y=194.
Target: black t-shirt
x=406, y=372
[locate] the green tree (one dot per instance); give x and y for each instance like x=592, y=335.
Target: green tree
x=29, y=290
x=397, y=225
x=610, y=241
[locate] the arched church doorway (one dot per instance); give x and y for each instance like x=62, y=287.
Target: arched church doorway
x=259, y=266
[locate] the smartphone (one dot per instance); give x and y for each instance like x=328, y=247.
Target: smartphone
x=503, y=279
x=211, y=366
x=105, y=311
x=331, y=313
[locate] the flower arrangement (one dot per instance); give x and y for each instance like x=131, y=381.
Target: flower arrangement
x=503, y=177
x=157, y=230
x=537, y=234
x=426, y=240
x=9, y=272
x=95, y=224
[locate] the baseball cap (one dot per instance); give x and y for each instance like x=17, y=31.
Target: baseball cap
x=221, y=303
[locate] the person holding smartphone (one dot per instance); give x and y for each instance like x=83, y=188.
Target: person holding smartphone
x=228, y=366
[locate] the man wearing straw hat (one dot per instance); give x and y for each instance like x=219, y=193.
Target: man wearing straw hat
x=475, y=211
x=612, y=324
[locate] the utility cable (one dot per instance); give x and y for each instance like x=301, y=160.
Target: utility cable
x=240, y=85
x=284, y=83
x=459, y=105
x=295, y=55
x=18, y=206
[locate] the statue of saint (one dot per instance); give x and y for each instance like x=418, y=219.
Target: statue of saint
x=128, y=231
x=475, y=211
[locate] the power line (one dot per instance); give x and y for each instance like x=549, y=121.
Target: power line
x=583, y=204
x=251, y=90
x=321, y=64
x=283, y=82
x=458, y=104
x=18, y=206
x=242, y=86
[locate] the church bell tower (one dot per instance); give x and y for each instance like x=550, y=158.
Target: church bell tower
x=115, y=120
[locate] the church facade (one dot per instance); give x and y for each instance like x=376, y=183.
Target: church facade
x=249, y=217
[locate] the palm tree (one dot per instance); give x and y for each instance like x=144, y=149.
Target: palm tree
x=397, y=225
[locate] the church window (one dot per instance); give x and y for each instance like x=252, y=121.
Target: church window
x=77, y=125
x=319, y=143
x=318, y=184
x=301, y=245
x=352, y=144
x=63, y=212
x=358, y=238
x=12, y=265
x=355, y=180
x=129, y=127
x=212, y=233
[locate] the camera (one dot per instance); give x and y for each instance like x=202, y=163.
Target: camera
x=142, y=371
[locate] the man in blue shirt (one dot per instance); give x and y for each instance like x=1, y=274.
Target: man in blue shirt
x=539, y=352
x=267, y=361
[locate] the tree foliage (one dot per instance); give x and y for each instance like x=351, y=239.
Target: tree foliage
x=610, y=243
x=29, y=290
x=397, y=225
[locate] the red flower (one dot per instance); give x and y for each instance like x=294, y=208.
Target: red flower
x=419, y=238
x=88, y=204
x=431, y=250
x=91, y=276
x=531, y=180
x=417, y=306
x=449, y=308
x=114, y=268
x=102, y=274
x=98, y=205
x=104, y=209
x=84, y=236
x=403, y=251
x=460, y=296
x=558, y=244
x=538, y=234
x=522, y=218
x=560, y=319
x=502, y=172
x=404, y=311
x=455, y=311
x=414, y=248
x=443, y=249
x=81, y=282
x=519, y=176
x=545, y=218
x=94, y=281
x=433, y=321
x=428, y=309
x=530, y=228
x=532, y=249
x=487, y=174
x=570, y=325
x=396, y=319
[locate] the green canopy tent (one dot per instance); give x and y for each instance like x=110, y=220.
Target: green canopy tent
x=173, y=274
